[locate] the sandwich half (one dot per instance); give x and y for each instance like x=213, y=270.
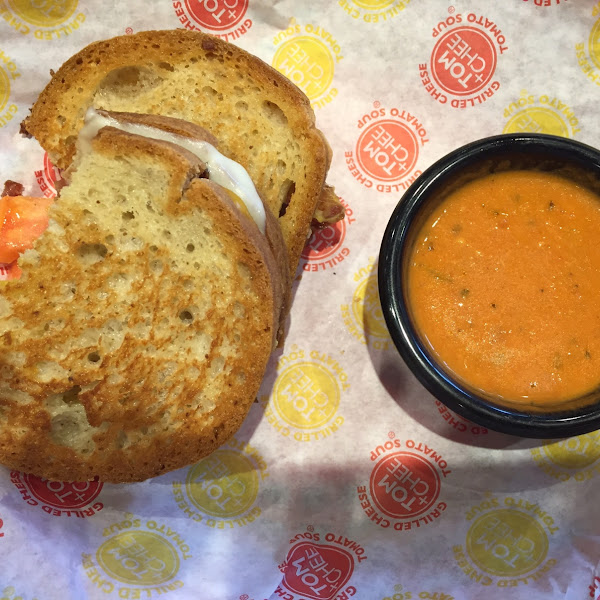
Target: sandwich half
x=261, y=119
x=137, y=336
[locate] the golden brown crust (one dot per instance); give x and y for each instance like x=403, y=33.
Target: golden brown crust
x=271, y=247
x=137, y=338
x=261, y=119
x=275, y=250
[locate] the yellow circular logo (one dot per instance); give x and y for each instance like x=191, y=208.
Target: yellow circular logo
x=307, y=62
x=43, y=13
x=366, y=307
x=594, y=43
x=4, y=88
x=507, y=543
x=138, y=558
x=306, y=395
x=537, y=120
x=223, y=485
x=575, y=452
x=373, y=4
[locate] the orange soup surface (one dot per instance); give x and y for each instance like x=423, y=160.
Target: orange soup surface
x=504, y=286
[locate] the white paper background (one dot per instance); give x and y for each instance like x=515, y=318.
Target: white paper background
x=314, y=484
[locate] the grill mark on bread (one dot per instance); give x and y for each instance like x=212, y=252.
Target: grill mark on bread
x=236, y=96
x=117, y=427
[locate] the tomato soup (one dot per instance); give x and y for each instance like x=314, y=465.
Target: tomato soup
x=504, y=286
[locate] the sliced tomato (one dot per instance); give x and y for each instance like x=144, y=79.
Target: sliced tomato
x=22, y=220
x=10, y=271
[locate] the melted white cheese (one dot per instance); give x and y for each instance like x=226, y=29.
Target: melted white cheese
x=222, y=170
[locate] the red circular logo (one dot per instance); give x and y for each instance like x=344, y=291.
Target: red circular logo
x=63, y=495
x=404, y=485
x=52, y=173
x=217, y=14
x=387, y=150
x=317, y=571
x=463, y=61
x=325, y=241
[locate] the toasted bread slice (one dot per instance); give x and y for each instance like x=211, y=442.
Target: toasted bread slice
x=138, y=335
x=260, y=118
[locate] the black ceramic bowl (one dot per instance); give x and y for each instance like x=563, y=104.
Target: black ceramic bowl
x=494, y=154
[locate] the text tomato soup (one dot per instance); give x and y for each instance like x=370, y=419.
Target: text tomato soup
x=503, y=286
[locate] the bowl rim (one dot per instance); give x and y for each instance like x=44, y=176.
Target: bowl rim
x=504, y=419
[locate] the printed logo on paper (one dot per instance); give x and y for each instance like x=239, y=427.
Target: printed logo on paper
x=326, y=246
x=57, y=498
x=221, y=490
x=404, y=486
x=594, y=587
x=458, y=423
x=363, y=317
x=507, y=543
x=8, y=73
x=387, y=149
x=461, y=71
x=588, y=53
x=373, y=11
x=306, y=396
x=225, y=19
x=47, y=177
x=43, y=19
x=399, y=592
x=540, y=114
x=319, y=567
x=594, y=43
x=546, y=2
x=137, y=559
x=308, y=55
x=11, y=593
x=575, y=458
